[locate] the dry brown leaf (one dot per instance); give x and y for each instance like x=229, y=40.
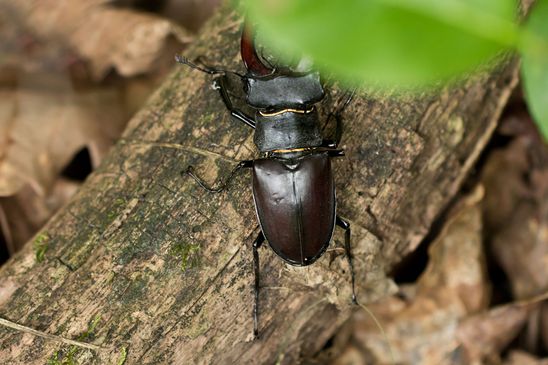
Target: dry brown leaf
x=442, y=319
x=49, y=110
x=530, y=338
x=488, y=333
x=516, y=209
x=45, y=122
x=523, y=358
x=191, y=13
x=22, y=214
x=107, y=37
x=351, y=356
x=544, y=326
x=421, y=329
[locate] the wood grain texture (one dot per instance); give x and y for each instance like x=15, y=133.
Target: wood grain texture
x=152, y=269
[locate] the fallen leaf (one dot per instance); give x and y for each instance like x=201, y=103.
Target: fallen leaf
x=24, y=213
x=516, y=207
x=49, y=107
x=517, y=357
x=487, y=333
x=421, y=325
x=191, y=13
x=45, y=122
x=544, y=326
x=105, y=36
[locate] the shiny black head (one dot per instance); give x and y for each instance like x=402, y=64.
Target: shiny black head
x=273, y=88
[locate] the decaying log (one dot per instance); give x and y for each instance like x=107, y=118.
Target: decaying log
x=148, y=268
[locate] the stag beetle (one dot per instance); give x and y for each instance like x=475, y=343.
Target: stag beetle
x=293, y=187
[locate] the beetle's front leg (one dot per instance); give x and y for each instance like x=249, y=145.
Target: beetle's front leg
x=220, y=84
x=222, y=185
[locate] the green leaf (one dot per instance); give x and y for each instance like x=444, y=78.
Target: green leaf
x=389, y=42
x=535, y=64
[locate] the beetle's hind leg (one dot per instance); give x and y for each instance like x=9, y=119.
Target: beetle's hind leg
x=222, y=185
x=256, y=244
x=346, y=226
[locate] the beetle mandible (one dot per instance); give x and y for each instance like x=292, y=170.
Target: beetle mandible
x=293, y=185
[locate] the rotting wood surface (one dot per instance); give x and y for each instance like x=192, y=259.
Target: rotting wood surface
x=151, y=269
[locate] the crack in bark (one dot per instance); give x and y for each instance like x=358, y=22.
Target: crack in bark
x=65, y=264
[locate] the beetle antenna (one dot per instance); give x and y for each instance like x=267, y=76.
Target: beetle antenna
x=204, y=68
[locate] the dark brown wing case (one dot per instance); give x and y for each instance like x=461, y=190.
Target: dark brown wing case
x=295, y=203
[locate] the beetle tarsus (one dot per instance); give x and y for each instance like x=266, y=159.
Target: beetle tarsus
x=256, y=244
x=222, y=185
x=335, y=153
x=204, y=68
x=346, y=226
x=328, y=143
x=190, y=172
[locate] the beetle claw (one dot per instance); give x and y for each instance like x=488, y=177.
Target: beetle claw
x=187, y=171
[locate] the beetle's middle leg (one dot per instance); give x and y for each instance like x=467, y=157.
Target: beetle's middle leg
x=346, y=226
x=222, y=185
x=256, y=244
x=339, y=118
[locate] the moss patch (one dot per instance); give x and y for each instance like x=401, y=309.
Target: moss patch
x=40, y=246
x=123, y=356
x=68, y=357
x=187, y=254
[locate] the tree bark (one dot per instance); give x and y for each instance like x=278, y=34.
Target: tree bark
x=148, y=268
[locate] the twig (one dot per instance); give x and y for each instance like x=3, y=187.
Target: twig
x=18, y=327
